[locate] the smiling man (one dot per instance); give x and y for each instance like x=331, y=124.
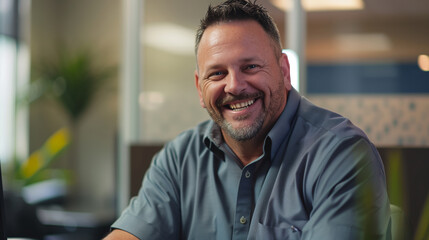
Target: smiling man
x=242, y=84
x=269, y=165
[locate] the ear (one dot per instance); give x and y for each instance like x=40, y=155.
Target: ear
x=285, y=67
x=197, y=84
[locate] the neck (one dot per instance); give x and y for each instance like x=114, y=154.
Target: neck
x=246, y=151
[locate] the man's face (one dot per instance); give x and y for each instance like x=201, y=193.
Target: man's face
x=240, y=80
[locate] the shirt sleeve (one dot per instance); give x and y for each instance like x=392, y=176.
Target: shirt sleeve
x=155, y=212
x=349, y=198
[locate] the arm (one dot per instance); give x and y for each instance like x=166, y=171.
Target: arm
x=118, y=234
x=349, y=195
x=155, y=212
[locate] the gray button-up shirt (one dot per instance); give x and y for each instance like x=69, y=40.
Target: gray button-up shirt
x=319, y=177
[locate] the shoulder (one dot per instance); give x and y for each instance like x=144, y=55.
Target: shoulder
x=325, y=138
x=180, y=155
x=331, y=149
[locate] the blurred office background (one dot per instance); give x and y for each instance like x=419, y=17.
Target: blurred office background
x=367, y=60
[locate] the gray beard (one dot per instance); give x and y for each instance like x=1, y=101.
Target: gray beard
x=245, y=133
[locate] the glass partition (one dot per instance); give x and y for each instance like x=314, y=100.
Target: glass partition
x=363, y=64
x=169, y=100
x=369, y=65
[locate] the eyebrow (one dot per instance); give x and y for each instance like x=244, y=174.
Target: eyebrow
x=244, y=60
x=240, y=61
x=251, y=59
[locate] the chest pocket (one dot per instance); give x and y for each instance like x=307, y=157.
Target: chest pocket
x=277, y=233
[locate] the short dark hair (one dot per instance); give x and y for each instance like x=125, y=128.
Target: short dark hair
x=239, y=10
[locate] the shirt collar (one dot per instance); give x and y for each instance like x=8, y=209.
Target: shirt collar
x=276, y=136
x=283, y=126
x=213, y=135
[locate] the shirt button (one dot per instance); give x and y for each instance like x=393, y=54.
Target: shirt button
x=294, y=229
x=247, y=174
x=243, y=220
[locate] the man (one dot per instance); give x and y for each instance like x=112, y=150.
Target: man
x=270, y=165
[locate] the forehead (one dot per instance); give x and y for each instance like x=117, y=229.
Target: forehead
x=240, y=37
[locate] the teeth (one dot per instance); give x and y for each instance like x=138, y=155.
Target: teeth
x=238, y=106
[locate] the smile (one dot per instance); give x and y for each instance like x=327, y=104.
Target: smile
x=242, y=105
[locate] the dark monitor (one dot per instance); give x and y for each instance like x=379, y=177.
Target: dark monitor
x=2, y=213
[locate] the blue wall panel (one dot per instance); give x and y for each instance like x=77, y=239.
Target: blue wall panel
x=366, y=78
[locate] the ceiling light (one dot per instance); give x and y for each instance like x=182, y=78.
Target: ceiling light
x=423, y=62
x=321, y=5
x=169, y=37
x=363, y=42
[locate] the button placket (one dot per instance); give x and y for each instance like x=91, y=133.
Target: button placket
x=244, y=208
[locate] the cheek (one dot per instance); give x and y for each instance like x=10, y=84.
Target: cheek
x=211, y=92
x=263, y=84
x=271, y=88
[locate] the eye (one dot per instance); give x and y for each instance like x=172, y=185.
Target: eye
x=216, y=75
x=251, y=67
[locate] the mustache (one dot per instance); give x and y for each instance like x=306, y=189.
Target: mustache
x=231, y=98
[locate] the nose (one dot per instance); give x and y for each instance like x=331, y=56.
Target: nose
x=235, y=83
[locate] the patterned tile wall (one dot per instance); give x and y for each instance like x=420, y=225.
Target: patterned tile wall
x=388, y=120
